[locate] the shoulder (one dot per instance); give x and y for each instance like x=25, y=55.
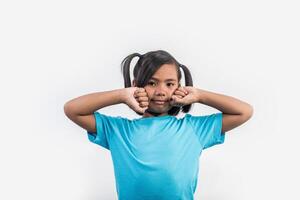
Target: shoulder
x=204, y=118
x=109, y=118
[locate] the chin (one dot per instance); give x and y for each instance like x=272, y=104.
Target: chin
x=159, y=110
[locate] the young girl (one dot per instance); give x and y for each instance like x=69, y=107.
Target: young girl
x=156, y=157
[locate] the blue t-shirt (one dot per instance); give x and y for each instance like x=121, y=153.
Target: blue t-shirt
x=157, y=157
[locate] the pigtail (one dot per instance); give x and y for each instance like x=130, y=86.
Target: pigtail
x=125, y=68
x=187, y=75
x=188, y=82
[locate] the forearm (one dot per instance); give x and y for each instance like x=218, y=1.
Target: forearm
x=89, y=103
x=225, y=104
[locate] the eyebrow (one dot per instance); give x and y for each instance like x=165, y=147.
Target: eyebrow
x=170, y=79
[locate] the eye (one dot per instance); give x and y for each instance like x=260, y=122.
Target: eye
x=151, y=83
x=170, y=84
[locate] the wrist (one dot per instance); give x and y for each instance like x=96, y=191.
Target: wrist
x=200, y=96
x=123, y=96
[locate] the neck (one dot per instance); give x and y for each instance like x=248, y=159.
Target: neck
x=149, y=113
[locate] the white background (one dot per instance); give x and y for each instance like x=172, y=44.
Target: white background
x=53, y=51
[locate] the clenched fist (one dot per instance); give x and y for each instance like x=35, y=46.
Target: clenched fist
x=137, y=99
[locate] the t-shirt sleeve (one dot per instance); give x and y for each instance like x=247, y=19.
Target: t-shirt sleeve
x=208, y=129
x=105, y=126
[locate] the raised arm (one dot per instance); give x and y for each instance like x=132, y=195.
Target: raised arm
x=81, y=109
x=235, y=112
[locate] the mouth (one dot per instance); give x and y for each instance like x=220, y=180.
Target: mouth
x=159, y=102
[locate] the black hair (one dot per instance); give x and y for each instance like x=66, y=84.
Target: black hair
x=147, y=65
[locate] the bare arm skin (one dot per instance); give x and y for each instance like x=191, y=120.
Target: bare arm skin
x=81, y=109
x=235, y=112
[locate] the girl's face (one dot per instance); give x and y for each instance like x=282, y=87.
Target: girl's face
x=161, y=87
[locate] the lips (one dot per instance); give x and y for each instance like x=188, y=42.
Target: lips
x=160, y=102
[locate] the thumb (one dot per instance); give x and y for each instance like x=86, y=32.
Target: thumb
x=141, y=110
x=138, y=108
x=175, y=101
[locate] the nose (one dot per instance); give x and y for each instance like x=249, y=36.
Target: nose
x=160, y=90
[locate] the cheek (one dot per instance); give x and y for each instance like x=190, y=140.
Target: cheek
x=149, y=92
x=172, y=91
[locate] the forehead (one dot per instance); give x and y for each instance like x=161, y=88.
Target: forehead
x=167, y=72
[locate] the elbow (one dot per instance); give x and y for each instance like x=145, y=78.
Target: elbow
x=248, y=113
x=68, y=110
x=251, y=110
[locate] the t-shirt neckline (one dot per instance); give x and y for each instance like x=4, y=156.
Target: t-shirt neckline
x=155, y=117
